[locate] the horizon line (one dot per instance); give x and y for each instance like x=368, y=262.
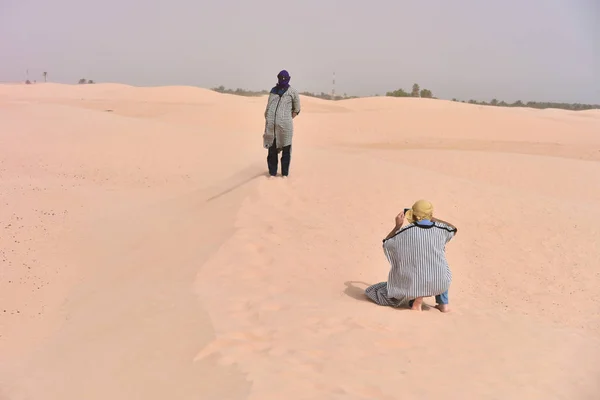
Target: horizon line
x=259, y=93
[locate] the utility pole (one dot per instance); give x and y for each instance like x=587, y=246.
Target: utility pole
x=333, y=87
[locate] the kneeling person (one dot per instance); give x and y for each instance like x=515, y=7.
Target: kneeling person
x=416, y=253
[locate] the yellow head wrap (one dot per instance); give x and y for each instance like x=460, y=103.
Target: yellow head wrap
x=421, y=210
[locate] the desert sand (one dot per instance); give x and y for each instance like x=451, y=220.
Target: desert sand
x=145, y=254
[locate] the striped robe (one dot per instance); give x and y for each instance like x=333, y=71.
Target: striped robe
x=418, y=262
x=278, y=117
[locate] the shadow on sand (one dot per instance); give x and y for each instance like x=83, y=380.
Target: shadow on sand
x=359, y=294
x=356, y=292
x=235, y=186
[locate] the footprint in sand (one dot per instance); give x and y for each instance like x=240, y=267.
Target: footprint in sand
x=277, y=195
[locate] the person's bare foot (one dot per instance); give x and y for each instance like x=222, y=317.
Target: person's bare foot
x=417, y=304
x=443, y=308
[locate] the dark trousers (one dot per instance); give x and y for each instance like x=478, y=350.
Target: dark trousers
x=272, y=159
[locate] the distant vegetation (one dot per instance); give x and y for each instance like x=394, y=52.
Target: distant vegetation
x=240, y=92
x=536, y=104
x=251, y=93
x=326, y=96
x=417, y=91
x=83, y=81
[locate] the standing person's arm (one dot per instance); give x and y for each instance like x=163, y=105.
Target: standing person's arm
x=267, y=106
x=268, y=103
x=295, y=104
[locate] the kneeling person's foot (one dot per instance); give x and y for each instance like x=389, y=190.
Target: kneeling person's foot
x=443, y=308
x=417, y=304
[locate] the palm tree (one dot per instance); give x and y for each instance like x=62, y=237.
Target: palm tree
x=45, y=75
x=415, y=90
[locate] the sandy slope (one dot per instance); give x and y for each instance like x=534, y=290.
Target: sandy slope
x=145, y=255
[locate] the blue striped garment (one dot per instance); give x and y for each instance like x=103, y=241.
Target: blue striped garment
x=417, y=256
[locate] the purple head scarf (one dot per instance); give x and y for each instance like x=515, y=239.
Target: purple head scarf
x=283, y=79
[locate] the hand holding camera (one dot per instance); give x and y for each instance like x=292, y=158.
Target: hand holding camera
x=400, y=218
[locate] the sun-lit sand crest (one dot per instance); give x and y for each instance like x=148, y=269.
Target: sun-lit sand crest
x=145, y=254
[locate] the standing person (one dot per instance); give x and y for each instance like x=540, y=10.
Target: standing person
x=283, y=106
x=416, y=253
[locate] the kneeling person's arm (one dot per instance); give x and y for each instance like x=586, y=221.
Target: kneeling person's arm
x=444, y=222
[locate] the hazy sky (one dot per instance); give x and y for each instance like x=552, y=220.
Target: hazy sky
x=546, y=50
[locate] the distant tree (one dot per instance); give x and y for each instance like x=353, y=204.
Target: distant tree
x=518, y=103
x=82, y=81
x=426, y=93
x=494, y=102
x=45, y=76
x=91, y=82
x=28, y=82
x=415, y=90
x=454, y=99
x=398, y=93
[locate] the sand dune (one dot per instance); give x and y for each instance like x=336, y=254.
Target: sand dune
x=144, y=254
